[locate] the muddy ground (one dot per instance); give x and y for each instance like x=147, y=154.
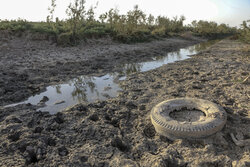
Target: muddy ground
x=118, y=132
x=27, y=65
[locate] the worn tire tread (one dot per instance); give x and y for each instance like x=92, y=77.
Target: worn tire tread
x=198, y=130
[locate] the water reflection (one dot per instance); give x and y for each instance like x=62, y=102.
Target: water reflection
x=202, y=46
x=83, y=88
x=131, y=68
x=91, y=88
x=158, y=61
x=170, y=57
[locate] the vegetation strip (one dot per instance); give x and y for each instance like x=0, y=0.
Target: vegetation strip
x=135, y=26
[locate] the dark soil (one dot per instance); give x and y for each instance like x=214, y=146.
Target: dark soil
x=28, y=66
x=118, y=132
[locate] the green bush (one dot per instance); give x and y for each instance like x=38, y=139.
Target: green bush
x=244, y=33
x=94, y=31
x=171, y=25
x=42, y=28
x=15, y=25
x=65, y=39
x=161, y=31
x=211, y=29
x=132, y=37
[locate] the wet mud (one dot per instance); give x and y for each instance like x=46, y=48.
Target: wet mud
x=28, y=66
x=118, y=131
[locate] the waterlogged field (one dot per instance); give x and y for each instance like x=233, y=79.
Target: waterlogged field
x=92, y=88
x=118, y=130
x=82, y=90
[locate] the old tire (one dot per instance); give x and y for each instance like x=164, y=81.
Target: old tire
x=215, y=119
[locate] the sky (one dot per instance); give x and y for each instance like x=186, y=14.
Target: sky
x=231, y=12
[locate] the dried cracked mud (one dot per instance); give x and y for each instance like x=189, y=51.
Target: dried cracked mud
x=118, y=132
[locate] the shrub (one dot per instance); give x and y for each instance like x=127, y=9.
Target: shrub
x=211, y=29
x=42, y=28
x=66, y=39
x=245, y=32
x=15, y=25
x=132, y=37
x=161, y=31
x=76, y=11
x=94, y=31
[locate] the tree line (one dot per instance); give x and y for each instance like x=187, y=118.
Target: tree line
x=134, y=26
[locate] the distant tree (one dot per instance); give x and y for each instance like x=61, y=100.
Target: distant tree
x=245, y=31
x=91, y=14
x=151, y=20
x=76, y=11
x=103, y=17
x=135, y=18
x=111, y=14
x=244, y=24
x=51, y=10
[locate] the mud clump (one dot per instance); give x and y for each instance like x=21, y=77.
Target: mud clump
x=187, y=115
x=63, y=151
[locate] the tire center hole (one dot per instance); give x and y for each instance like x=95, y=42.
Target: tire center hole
x=187, y=115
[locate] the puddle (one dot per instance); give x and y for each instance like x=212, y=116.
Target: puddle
x=156, y=62
x=83, y=88
x=170, y=57
x=91, y=88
